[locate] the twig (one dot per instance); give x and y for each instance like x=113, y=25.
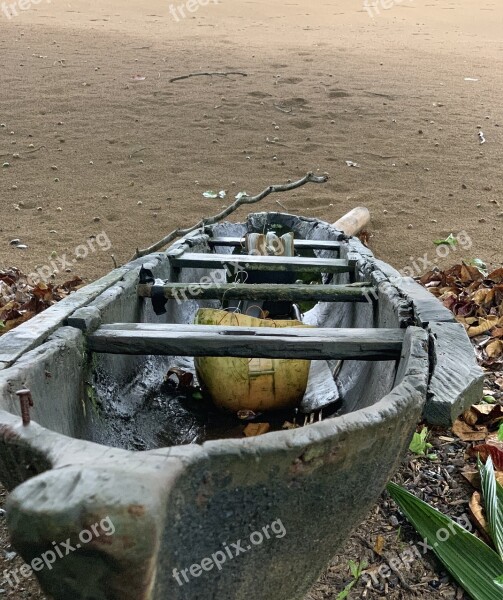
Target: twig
x=244, y=199
x=281, y=204
x=26, y=152
x=219, y=73
x=114, y=261
x=269, y=141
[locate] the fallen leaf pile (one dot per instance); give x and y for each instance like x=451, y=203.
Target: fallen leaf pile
x=476, y=299
x=479, y=422
x=20, y=301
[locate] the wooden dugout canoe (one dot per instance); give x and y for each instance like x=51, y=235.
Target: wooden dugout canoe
x=92, y=361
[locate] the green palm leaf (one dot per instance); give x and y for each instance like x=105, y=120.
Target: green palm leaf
x=494, y=511
x=472, y=563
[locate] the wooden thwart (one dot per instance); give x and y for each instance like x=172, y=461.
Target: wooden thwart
x=261, y=291
x=298, y=244
x=251, y=262
x=249, y=342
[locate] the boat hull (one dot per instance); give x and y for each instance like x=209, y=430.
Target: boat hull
x=174, y=509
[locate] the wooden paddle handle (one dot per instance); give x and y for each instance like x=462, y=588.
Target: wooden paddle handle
x=354, y=221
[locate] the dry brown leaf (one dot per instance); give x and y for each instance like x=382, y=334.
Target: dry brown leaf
x=477, y=326
x=496, y=276
x=254, y=429
x=468, y=433
x=185, y=378
x=494, y=349
x=477, y=511
x=472, y=476
x=493, y=447
x=379, y=545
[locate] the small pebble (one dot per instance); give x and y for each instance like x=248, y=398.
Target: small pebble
x=59, y=209
x=68, y=270
x=22, y=246
x=6, y=165
x=139, y=203
x=54, y=168
x=96, y=219
x=14, y=187
x=409, y=226
x=385, y=211
x=15, y=242
x=16, y=155
x=482, y=220
x=56, y=179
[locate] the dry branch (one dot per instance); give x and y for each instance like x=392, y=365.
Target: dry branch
x=210, y=74
x=244, y=199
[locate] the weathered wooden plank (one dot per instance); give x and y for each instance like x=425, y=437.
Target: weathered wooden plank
x=298, y=244
x=32, y=333
x=427, y=308
x=250, y=262
x=260, y=291
x=456, y=381
x=259, y=342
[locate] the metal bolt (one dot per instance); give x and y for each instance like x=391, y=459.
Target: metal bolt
x=26, y=402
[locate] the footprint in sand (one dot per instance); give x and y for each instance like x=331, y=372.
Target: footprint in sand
x=294, y=102
x=301, y=124
x=259, y=95
x=338, y=94
x=291, y=80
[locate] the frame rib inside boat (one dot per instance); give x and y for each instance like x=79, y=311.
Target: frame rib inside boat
x=260, y=291
x=237, y=242
x=252, y=262
x=250, y=342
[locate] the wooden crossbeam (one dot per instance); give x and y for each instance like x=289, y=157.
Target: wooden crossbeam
x=250, y=262
x=249, y=342
x=260, y=291
x=298, y=244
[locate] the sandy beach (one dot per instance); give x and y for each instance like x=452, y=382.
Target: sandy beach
x=102, y=152
x=98, y=140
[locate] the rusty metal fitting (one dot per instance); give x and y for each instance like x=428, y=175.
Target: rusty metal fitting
x=26, y=402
